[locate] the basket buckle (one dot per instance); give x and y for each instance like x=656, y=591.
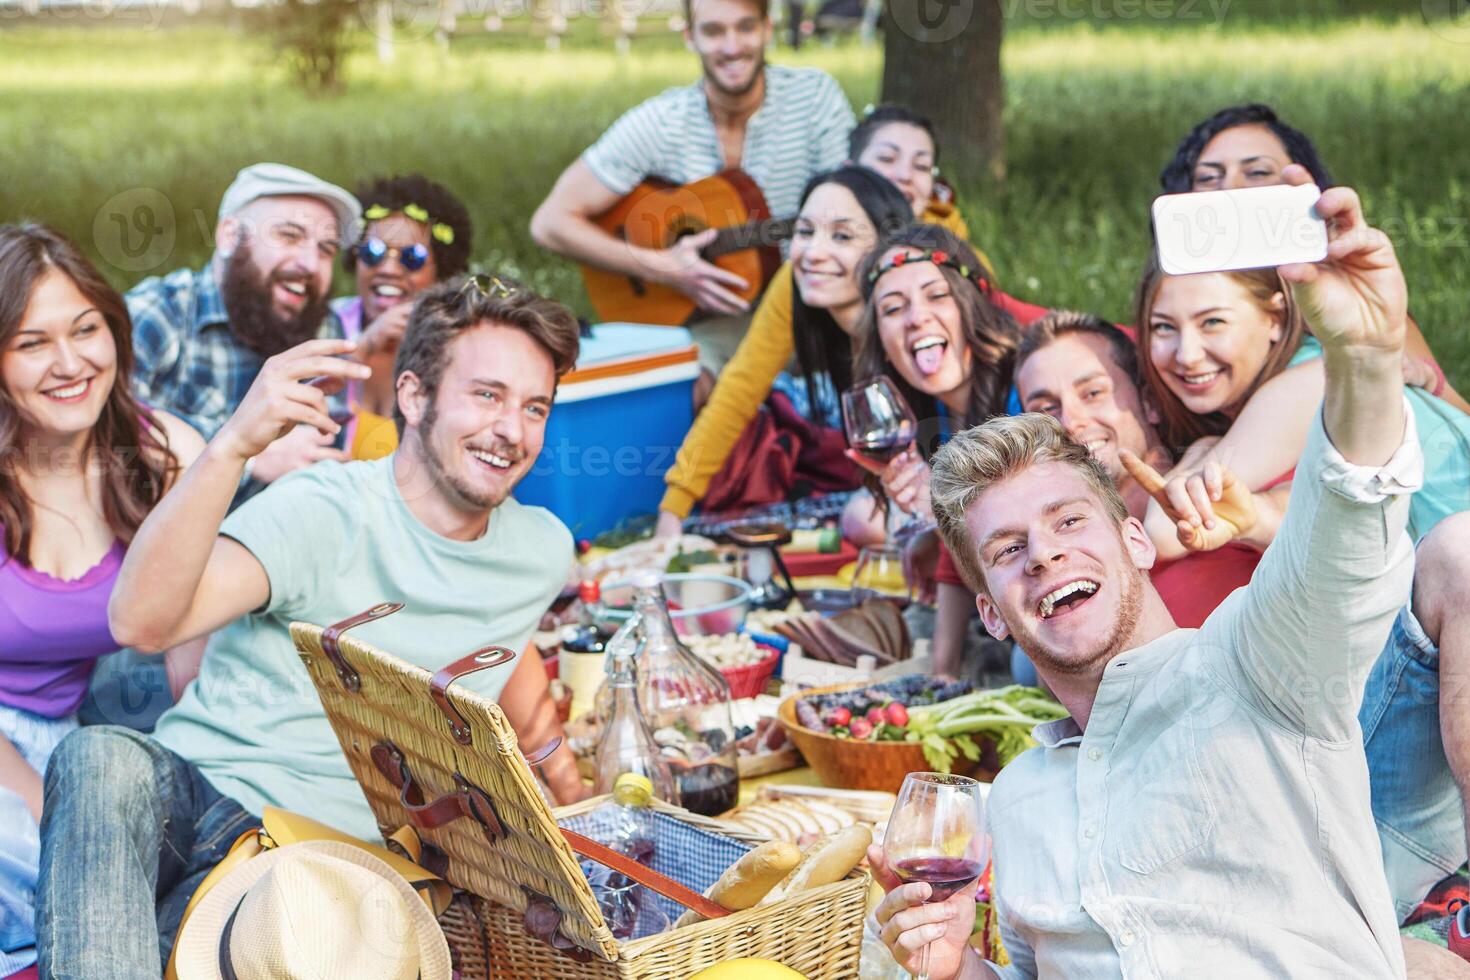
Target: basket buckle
x=542, y=920
x=467, y=800
x=345, y=671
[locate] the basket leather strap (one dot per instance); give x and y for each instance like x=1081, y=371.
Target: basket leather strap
x=345, y=671
x=482, y=659
x=644, y=875
x=467, y=800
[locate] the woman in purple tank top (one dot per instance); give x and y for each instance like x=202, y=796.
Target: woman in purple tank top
x=81, y=465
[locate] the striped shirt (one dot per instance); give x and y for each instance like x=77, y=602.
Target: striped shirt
x=799, y=131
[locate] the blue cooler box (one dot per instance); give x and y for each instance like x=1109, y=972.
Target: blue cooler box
x=619, y=419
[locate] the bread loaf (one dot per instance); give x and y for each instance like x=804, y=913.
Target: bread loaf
x=746, y=882
x=829, y=859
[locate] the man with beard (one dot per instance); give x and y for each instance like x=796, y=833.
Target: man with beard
x=132, y=821
x=201, y=336
x=780, y=125
x=1205, y=810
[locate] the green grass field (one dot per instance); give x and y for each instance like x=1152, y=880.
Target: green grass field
x=1094, y=107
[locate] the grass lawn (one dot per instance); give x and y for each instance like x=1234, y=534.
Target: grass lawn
x=1094, y=107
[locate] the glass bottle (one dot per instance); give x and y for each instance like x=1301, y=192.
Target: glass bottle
x=627, y=743
x=687, y=704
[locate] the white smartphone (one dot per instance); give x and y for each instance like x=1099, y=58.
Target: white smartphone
x=1250, y=228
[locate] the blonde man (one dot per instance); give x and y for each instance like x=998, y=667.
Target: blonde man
x=1205, y=809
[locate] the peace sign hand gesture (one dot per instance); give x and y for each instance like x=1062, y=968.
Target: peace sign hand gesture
x=1210, y=507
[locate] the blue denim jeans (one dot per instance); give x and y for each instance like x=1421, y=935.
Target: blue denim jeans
x=128, y=831
x=35, y=737
x=1416, y=803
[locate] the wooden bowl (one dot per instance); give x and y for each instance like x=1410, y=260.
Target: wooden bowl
x=853, y=764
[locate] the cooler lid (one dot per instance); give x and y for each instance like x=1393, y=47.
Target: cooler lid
x=620, y=349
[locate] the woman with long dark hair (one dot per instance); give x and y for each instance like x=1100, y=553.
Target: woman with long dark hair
x=930, y=325
x=1248, y=146
x=843, y=212
x=81, y=465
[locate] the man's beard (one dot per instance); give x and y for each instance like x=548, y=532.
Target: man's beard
x=755, y=77
x=250, y=305
x=463, y=495
x=1130, y=611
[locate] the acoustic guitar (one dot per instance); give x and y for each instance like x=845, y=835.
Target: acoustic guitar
x=657, y=213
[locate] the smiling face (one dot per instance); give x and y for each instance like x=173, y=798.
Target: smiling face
x=831, y=237
x=920, y=327
x=730, y=37
x=484, y=427
x=904, y=154
x=1062, y=576
x=1209, y=340
x=1241, y=156
x=60, y=365
x=385, y=285
x=1076, y=381
x=292, y=244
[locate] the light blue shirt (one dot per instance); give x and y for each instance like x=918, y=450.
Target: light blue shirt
x=1444, y=436
x=336, y=539
x=1214, y=819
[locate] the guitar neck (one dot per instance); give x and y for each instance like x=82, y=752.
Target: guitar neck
x=753, y=234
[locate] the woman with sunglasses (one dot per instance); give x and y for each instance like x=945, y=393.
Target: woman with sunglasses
x=1248, y=146
x=416, y=233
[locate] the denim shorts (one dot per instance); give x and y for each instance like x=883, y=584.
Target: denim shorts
x=34, y=737
x=1416, y=803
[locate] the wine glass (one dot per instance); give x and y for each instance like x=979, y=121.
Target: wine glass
x=936, y=834
x=880, y=425
x=878, y=421
x=879, y=567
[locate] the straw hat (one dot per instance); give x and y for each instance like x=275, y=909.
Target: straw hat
x=316, y=910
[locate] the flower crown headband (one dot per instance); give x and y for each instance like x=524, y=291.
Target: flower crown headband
x=936, y=255
x=442, y=232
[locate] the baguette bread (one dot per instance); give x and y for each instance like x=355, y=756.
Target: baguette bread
x=829, y=859
x=746, y=882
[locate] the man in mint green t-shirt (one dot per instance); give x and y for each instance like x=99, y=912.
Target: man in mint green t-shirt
x=133, y=823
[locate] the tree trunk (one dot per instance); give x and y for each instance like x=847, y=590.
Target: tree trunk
x=941, y=58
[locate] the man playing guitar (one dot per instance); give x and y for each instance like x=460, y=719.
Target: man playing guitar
x=780, y=125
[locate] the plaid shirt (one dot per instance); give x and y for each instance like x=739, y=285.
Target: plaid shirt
x=187, y=361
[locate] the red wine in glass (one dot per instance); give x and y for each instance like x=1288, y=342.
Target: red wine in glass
x=881, y=448
x=936, y=834
x=945, y=875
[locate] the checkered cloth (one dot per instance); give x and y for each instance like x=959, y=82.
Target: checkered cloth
x=694, y=858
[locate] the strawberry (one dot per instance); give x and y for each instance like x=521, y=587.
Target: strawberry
x=860, y=728
x=875, y=715
x=839, y=717
x=896, y=714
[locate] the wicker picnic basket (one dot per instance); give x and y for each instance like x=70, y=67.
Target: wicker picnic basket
x=446, y=762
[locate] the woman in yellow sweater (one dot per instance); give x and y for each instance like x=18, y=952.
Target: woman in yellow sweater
x=897, y=144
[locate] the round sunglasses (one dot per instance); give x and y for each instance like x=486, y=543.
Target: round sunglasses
x=371, y=251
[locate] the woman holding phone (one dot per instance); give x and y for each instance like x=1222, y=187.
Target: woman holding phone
x=1249, y=146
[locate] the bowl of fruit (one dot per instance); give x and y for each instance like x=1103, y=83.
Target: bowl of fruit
x=869, y=736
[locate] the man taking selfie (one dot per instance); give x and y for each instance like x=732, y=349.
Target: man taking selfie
x=1205, y=809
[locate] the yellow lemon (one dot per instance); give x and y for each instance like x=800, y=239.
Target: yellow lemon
x=748, y=969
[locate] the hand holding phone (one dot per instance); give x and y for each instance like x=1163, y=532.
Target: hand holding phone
x=1250, y=228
